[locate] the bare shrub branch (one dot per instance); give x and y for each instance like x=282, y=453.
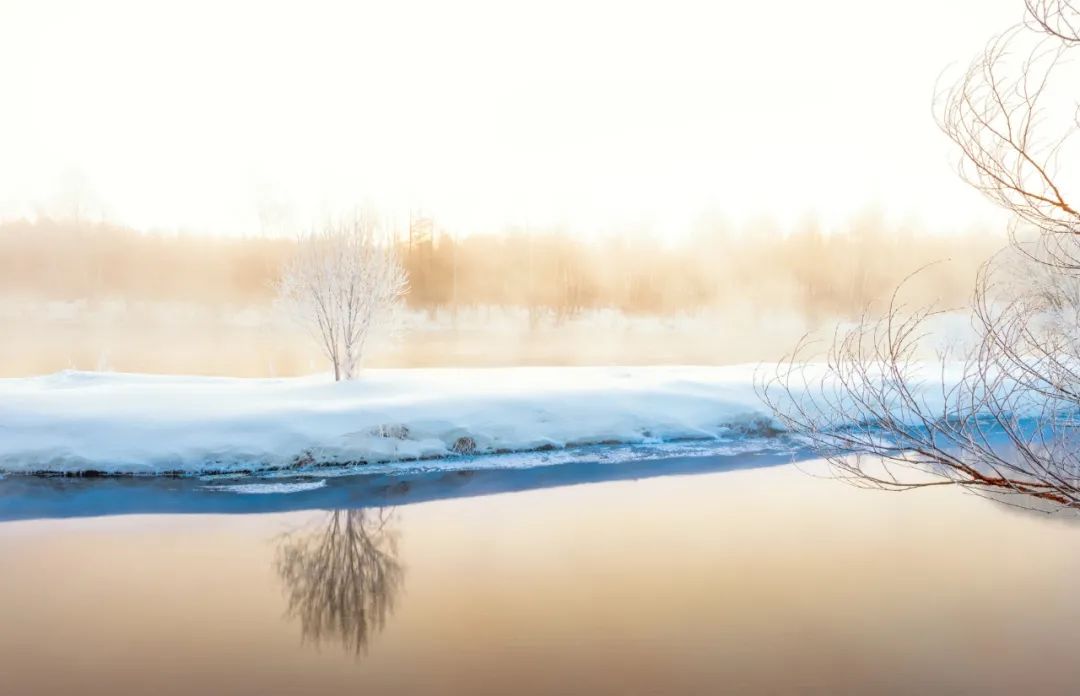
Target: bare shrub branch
x=998, y=418
x=1057, y=18
x=1001, y=416
x=995, y=116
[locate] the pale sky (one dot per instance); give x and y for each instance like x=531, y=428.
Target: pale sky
x=229, y=117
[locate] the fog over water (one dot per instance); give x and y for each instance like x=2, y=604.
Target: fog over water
x=710, y=173
x=76, y=294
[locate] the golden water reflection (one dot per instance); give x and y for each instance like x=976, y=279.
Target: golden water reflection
x=759, y=581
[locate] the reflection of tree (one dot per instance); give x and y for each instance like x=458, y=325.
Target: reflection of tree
x=341, y=580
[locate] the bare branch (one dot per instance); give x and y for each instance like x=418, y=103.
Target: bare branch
x=1058, y=18
x=994, y=115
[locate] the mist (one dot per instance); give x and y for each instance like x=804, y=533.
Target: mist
x=89, y=295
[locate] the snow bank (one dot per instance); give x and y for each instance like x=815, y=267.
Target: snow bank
x=142, y=424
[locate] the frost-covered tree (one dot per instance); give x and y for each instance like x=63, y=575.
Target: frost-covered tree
x=344, y=285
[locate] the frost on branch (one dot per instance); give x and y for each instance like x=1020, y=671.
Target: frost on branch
x=344, y=285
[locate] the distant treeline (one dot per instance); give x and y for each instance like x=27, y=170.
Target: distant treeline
x=549, y=272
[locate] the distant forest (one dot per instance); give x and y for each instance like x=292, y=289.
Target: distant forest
x=554, y=275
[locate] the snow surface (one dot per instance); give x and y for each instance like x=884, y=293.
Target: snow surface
x=146, y=424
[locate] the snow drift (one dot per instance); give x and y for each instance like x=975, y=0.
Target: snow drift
x=77, y=422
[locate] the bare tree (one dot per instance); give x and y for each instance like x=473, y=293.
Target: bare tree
x=342, y=579
x=344, y=284
x=1002, y=417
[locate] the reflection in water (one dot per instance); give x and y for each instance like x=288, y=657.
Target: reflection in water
x=341, y=579
x=760, y=581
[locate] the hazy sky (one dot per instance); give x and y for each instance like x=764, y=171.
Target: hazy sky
x=226, y=117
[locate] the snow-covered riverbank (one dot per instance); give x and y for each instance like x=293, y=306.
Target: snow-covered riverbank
x=119, y=423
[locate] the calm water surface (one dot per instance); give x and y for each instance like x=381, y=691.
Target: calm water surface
x=755, y=581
